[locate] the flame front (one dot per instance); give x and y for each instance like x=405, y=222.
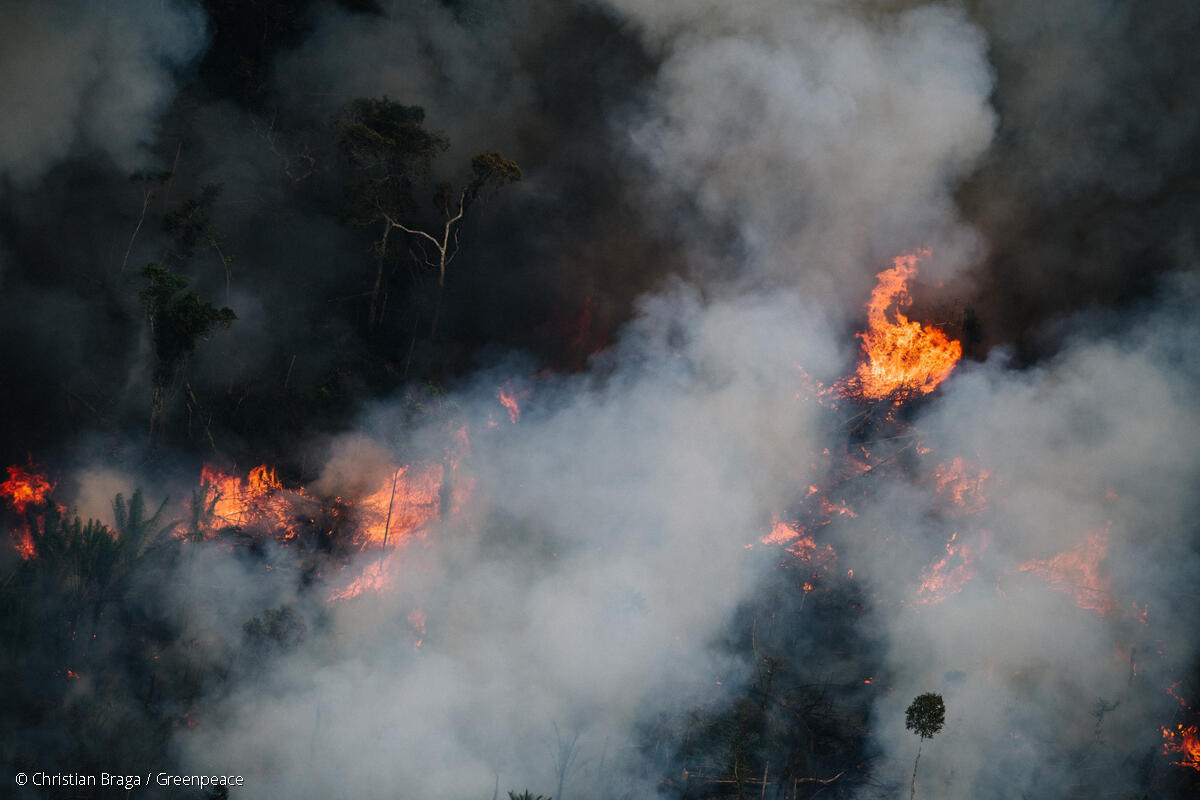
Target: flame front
x=259, y=499
x=901, y=358
x=404, y=503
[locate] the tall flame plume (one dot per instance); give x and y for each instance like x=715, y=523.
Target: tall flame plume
x=901, y=358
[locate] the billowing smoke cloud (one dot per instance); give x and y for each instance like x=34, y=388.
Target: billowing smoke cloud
x=774, y=154
x=1089, y=460
x=798, y=146
x=601, y=556
x=86, y=78
x=816, y=141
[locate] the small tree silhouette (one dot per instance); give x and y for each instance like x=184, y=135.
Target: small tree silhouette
x=924, y=717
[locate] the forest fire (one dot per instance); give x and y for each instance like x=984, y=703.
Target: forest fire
x=829, y=336
x=1078, y=572
x=25, y=489
x=509, y=399
x=961, y=487
x=949, y=574
x=1184, y=742
x=258, y=500
x=800, y=543
x=901, y=358
x=409, y=499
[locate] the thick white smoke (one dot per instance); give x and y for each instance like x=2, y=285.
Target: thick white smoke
x=583, y=587
x=1101, y=440
x=795, y=147
x=824, y=139
x=606, y=548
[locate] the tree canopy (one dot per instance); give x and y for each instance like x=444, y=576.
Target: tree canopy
x=926, y=715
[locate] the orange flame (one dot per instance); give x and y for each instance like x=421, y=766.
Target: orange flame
x=1173, y=690
x=901, y=358
x=1077, y=572
x=508, y=399
x=25, y=488
x=405, y=502
x=259, y=499
x=949, y=574
x=1185, y=742
x=801, y=544
x=961, y=486
x=375, y=577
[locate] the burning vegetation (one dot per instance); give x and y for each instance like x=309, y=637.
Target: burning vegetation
x=901, y=358
x=379, y=463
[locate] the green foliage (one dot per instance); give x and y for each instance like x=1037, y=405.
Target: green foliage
x=391, y=151
x=84, y=556
x=90, y=559
x=926, y=715
x=192, y=223
x=494, y=169
x=178, y=319
x=203, y=509
x=137, y=532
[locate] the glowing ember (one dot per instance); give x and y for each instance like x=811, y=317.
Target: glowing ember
x=801, y=544
x=901, y=358
x=1077, y=572
x=375, y=578
x=961, y=486
x=1184, y=742
x=24, y=542
x=1173, y=690
x=840, y=509
x=951, y=572
x=508, y=399
x=781, y=533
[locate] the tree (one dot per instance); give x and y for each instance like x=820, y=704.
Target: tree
x=924, y=717
x=191, y=225
x=178, y=319
x=91, y=561
x=488, y=169
x=386, y=143
x=392, y=154
x=136, y=531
